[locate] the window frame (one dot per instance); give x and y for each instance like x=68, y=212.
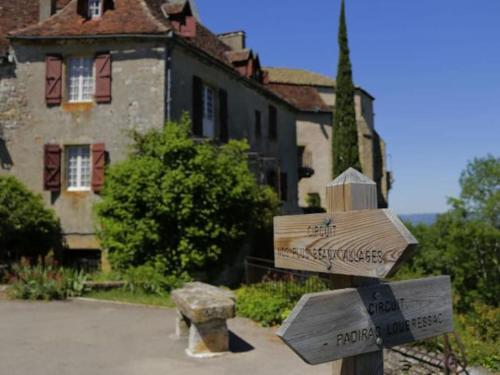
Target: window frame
x=90, y=9
x=79, y=187
x=206, y=121
x=81, y=80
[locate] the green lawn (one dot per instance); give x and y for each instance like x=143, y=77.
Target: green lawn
x=120, y=295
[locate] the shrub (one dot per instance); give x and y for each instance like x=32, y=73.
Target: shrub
x=181, y=203
x=261, y=306
x=269, y=303
x=45, y=281
x=27, y=228
x=151, y=280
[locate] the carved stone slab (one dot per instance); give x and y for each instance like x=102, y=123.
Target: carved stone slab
x=370, y=243
x=202, y=303
x=328, y=326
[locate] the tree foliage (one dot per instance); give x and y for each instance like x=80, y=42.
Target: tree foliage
x=180, y=205
x=345, y=134
x=465, y=242
x=27, y=227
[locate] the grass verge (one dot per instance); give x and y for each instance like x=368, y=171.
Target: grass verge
x=120, y=295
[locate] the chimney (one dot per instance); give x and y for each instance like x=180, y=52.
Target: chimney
x=47, y=9
x=237, y=40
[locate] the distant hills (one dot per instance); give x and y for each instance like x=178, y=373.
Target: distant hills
x=415, y=219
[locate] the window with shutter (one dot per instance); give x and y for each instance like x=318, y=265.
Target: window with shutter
x=98, y=166
x=81, y=81
x=53, y=80
x=223, y=109
x=197, y=107
x=52, y=168
x=103, y=78
x=78, y=164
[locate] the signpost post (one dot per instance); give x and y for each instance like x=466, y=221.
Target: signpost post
x=358, y=244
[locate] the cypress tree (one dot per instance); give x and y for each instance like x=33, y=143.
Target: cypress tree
x=345, y=132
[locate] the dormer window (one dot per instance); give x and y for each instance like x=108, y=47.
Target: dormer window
x=95, y=8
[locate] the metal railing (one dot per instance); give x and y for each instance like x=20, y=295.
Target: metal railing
x=288, y=284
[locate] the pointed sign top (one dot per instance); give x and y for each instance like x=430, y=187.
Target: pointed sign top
x=351, y=176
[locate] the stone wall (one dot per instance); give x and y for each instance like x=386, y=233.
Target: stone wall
x=137, y=103
x=243, y=101
x=13, y=111
x=314, y=130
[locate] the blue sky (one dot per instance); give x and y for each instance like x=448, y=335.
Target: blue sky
x=433, y=66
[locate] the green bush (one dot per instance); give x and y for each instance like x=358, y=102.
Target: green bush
x=44, y=281
x=27, y=227
x=185, y=204
x=269, y=303
x=260, y=305
x=149, y=279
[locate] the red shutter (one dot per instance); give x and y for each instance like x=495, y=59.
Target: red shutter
x=103, y=78
x=83, y=8
x=223, y=115
x=197, y=107
x=108, y=5
x=53, y=80
x=98, y=165
x=52, y=168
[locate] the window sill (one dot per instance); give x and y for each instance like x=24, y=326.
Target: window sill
x=78, y=106
x=78, y=190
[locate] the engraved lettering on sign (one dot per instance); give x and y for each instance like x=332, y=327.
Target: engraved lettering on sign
x=330, y=255
x=323, y=230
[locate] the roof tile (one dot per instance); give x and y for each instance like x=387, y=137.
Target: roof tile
x=305, y=98
x=298, y=77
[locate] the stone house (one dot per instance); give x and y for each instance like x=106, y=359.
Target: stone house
x=314, y=96
x=77, y=75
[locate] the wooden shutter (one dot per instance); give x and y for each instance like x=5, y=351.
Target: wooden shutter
x=273, y=123
x=108, y=4
x=98, y=165
x=103, y=78
x=53, y=80
x=284, y=187
x=197, y=107
x=83, y=8
x=258, y=124
x=223, y=114
x=52, y=168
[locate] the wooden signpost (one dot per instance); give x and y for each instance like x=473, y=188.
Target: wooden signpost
x=370, y=243
x=328, y=326
x=358, y=244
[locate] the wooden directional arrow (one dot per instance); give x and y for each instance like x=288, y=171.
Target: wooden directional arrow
x=328, y=326
x=371, y=243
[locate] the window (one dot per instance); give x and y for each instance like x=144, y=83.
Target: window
x=81, y=85
x=273, y=123
x=95, y=8
x=78, y=168
x=258, y=124
x=208, y=112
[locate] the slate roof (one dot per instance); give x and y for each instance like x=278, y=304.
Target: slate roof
x=298, y=77
x=305, y=98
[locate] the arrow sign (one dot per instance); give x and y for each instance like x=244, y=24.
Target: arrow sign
x=370, y=243
x=325, y=327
